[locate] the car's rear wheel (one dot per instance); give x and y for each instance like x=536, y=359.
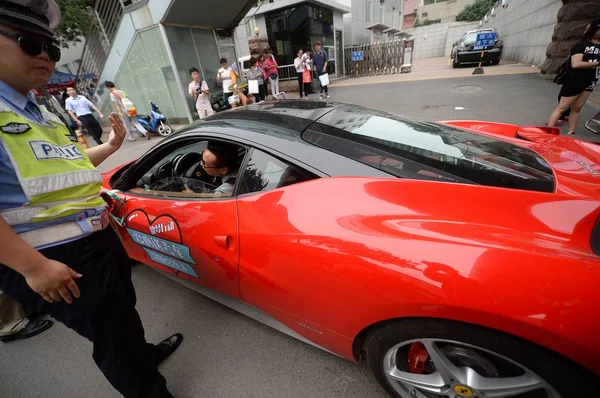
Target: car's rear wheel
x=434, y=359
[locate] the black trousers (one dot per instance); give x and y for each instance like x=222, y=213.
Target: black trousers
x=304, y=88
x=262, y=93
x=105, y=313
x=93, y=127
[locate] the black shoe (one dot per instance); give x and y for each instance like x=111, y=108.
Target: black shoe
x=167, y=347
x=33, y=328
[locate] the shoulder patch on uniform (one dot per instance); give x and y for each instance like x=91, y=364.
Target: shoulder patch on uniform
x=15, y=128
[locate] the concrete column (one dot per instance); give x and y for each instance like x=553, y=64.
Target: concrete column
x=163, y=33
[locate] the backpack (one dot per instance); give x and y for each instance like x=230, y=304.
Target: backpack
x=563, y=71
x=127, y=104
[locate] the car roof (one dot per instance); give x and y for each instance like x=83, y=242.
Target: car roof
x=482, y=30
x=309, y=111
x=289, y=116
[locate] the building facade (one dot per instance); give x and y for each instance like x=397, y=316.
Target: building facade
x=147, y=47
x=371, y=21
x=289, y=25
x=410, y=13
x=440, y=11
x=70, y=59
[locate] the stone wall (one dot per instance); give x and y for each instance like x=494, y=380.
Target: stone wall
x=436, y=40
x=572, y=18
x=526, y=28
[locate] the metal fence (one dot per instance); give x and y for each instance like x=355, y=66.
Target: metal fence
x=379, y=58
x=287, y=72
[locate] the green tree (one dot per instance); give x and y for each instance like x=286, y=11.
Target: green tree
x=76, y=20
x=475, y=11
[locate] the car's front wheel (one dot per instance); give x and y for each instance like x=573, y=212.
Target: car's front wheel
x=434, y=359
x=455, y=63
x=164, y=129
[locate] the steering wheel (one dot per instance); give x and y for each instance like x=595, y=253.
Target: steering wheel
x=166, y=170
x=183, y=164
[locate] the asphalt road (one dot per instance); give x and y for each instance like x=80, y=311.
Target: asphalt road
x=520, y=99
x=226, y=354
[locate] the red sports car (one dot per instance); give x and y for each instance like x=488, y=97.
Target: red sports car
x=455, y=259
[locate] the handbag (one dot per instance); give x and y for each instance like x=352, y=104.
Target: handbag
x=253, y=87
x=306, y=76
x=324, y=79
x=563, y=71
x=273, y=75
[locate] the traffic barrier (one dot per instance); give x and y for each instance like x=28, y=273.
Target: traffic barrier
x=81, y=139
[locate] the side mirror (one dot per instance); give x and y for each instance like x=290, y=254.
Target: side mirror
x=454, y=44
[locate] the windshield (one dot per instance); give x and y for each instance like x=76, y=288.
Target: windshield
x=468, y=156
x=471, y=38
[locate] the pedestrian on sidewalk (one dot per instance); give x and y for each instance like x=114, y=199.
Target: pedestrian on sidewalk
x=272, y=72
x=255, y=73
x=201, y=94
x=261, y=65
x=581, y=78
x=80, y=110
x=126, y=110
x=225, y=77
x=565, y=115
x=300, y=65
x=308, y=61
x=320, y=61
x=59, y=256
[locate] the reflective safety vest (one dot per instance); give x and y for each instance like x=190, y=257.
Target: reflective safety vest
x=57, y=177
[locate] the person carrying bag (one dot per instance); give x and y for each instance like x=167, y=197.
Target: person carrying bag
x=307, y=77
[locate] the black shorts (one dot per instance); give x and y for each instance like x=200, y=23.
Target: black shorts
x=573, y=89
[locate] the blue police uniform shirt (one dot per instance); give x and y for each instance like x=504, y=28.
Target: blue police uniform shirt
x=11, y=194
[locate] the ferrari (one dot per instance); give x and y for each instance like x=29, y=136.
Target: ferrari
x=454, y=259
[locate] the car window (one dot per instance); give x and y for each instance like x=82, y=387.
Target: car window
x=446, y=150
x=180, y=173
x=470, y=38
x=265, y=172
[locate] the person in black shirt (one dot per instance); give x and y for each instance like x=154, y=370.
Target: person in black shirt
x=565, y=116
x=581, y=79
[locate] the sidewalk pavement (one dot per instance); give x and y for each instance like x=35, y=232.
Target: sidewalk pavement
x=439, y=68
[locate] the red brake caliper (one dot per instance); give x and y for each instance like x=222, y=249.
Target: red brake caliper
x=417, y=358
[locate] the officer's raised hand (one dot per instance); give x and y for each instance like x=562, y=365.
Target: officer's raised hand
x=117, y=135
x=99, y=153
x=54, y=281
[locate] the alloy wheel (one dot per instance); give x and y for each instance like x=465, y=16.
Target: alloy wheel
x=432, y=368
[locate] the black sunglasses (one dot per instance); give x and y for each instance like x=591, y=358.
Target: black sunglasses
x=34, y=47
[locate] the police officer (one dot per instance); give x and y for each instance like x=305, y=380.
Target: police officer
x=57, y=255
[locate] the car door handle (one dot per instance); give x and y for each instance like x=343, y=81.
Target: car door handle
x=222, y=240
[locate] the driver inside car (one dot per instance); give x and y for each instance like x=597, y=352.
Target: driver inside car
x=220, y=160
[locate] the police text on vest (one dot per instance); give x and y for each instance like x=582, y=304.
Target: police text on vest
x=44, y=150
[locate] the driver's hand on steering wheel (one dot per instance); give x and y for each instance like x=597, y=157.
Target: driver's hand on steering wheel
x=187, y=189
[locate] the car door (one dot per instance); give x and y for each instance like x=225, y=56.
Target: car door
x=192, y=235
